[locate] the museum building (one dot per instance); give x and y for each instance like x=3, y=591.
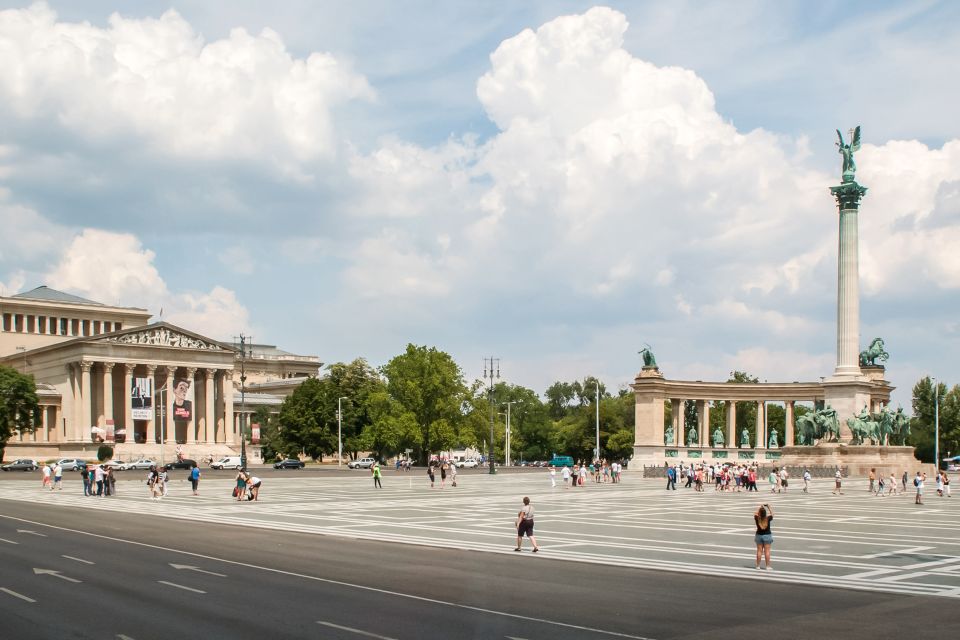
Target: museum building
x=106, y=374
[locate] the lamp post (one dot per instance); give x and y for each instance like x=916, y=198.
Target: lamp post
x=507, y=443
x=936, y=423
x=489, y=364
x=163, y=416
x=244, y=347
x=340, y=433
x=596, y=455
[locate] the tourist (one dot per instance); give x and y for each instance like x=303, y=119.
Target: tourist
x=873, y=479
x=525, y=525
x=774, y=481
x=47, y=474
x=241, y=487
x=690, y=476
x=253, y=482
x=784, y=479
x=553, y=477
x=87, y=489
x=57, y=477
x=583, y=475
x=904, y=480
x=946, y=484
x=918, y=483
x=430, y=473
x=566, y=477
x=879, y=485
x=375, y=472
x=806, y=480
x=195, y=478
x=837, y=482
x=671, y=478
x=453, y=474
x=443, y=473
x=98, y=479
x=752, y=479
x=110, y=480
x=939, y=484
x=892, y=489
x=764, y=537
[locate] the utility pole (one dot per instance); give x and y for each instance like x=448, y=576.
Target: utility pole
x=597, y=454
x=489, y=365
x=507, y=444
x=936, y=424
x=340, y=433
x=244, y=342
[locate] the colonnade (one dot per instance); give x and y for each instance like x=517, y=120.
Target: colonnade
x=731, y=439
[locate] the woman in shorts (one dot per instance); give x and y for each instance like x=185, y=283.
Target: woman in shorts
x=525, y=525
x=764, y=536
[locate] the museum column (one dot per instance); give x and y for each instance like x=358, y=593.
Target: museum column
x=731, y=423
x=192, y=422
x=761, y=436
x=157, y=415
x=45, y=419
x=169, y=428
x=228, y=429
x=209, y=419
x=86, y=404
x=107, y=393
x=127, y=405
x=789, y=426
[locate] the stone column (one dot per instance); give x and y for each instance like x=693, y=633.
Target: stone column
x=74, y=399
x=705, y=440
x=127, y=406
x=208, y=420
x=107, y=393
x=192, y=423
x=45, y=418
x=761, y=435
x=152, y=433
x=731, y=423
x=676, y=414
x=228, y=425
x=789, y=427
x=170, y=426
x=86, y=402
x=848, y=196
x=699, y=409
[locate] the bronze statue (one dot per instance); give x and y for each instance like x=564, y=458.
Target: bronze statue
x=692, y=436
x=668, y=436
x=745, y=438
x=717, y=438
x=648, y=358
x=847, y=151
x=873, y=353
x=774, y=442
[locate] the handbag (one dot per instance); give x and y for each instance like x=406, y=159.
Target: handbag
x=236, y=491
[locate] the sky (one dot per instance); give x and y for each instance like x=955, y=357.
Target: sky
x=555, y=184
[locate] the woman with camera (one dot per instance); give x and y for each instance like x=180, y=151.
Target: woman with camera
x=764, y=537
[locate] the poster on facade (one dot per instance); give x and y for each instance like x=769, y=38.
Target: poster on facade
x=141, y=398
x=255, y=433
x=182, y=400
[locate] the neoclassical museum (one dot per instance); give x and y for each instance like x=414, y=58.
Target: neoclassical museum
x=107, y=374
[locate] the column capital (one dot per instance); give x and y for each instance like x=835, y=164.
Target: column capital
x=208, y=372
x=151, y=369
x=191, y=371
x=108, y=365
x=129, y=367
x=86, y=365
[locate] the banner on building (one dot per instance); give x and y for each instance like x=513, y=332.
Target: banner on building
x=141, y=398
x=254, y=433
x=182, y=400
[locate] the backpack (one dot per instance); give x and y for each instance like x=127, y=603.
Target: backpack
x=916, y=482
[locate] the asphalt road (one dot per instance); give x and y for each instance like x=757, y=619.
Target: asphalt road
x=140, y=577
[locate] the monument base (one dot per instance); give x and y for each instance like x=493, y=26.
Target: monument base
x=857, y=460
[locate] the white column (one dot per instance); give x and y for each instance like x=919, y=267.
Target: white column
x=192, y=423
x=45, y=417
x=107, y=392
x=760, y=442
x=127, y=406
x=152, y=434
x=731, y=423
x=789, y=428
x=86, y=402
x=170, y=426
x=676, y=414
x=208, y=420
x=848, y=296
x=228, y=424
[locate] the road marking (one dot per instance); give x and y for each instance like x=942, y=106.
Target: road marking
x=9, y=541
x=51, y=572
x=33, y=533
x=895, y=552
x=197, y=569
x=16, y=595
x=120, y=636
x=78, y=559
x=359, y=632
x=180, y=586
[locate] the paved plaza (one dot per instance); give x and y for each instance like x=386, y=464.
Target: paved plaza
x=853, y=541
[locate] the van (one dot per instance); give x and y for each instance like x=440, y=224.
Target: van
x=230, y=462
x=561, y=461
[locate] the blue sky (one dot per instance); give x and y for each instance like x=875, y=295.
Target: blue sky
x=552, y=183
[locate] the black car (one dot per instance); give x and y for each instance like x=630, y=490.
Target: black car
x=288, y=463
x=21, y=465
x=186, y=463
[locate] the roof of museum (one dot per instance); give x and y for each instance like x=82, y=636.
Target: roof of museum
x=46, y=294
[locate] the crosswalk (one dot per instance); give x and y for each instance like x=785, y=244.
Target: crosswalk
x=853, y=541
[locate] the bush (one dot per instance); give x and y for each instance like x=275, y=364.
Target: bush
x=105, y=452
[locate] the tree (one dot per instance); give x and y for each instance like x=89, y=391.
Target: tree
x=559, y=396
x=746, y=411
x=19, y=406
x=428, y=384
x=392, y=429
x=307, y=420
x=923, y=425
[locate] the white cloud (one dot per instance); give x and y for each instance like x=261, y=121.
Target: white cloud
x=115, y=268
x=158, y=81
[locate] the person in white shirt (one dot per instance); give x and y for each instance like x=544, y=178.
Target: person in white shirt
x=806, y=480
x=553, y=477
x=46, y=476
x=566, y=477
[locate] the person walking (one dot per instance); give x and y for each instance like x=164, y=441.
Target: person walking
x=553, y=477
x=525, y=525
x=47, y=474
x=671, y=478
x=87, y=489
x=443, y=473
x=195, y=478
x=837, y=482
x=453, y=474
x=111, y=482
x=57, y=477
x=892, y=489
x=806, y=480
x=690, y=474
x=566, y=477
x=431, y=474
x=939, y=484
x=880, y=485
x=904, y=481
x=946, y=484
x=873, y=479
x=918, y=483
x=764, y=536
x=375, y=472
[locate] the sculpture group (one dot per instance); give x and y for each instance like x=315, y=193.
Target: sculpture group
x=873, y=353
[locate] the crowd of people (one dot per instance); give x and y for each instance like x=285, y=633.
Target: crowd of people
x=599, y=471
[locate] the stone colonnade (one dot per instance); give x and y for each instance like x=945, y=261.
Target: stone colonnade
x=731, y=440
x=101, y=394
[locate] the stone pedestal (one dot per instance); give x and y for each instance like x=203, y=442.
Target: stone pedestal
x=857, y=460
x=848, y=397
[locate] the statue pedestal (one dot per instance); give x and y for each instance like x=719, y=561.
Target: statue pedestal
x=857, y=460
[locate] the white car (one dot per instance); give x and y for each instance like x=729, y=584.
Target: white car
x=229, y=462
x=142, y=464
x=469, y=463
x=362, y=463
x=115, y=464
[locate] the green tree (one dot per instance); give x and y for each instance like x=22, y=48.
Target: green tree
x=307, y=422
x=19, y=406
x=923, y=425
x=559, y=396
x=429, y=384
x=392, y=429
x=746, y=411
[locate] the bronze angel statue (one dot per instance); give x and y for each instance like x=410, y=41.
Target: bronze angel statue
x=847, y=151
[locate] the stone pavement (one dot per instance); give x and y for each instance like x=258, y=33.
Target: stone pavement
x=853, y=541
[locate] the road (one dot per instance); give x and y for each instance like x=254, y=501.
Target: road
x=135, y=576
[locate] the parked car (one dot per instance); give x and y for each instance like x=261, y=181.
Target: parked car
x=186, y=463
x=114, y=464
x=362, y=463
x=288, y=463
x=71, y=464
x=469, y=463
x=229, y=462
x=141, y=464
x=24, y=464
x=561, y=461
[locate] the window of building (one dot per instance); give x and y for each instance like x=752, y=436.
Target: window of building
x=74, y=327
x=41, y=324
x=7, y=322
x=31, y=324
x=63, y=326
x=86, y=327
x=96, y=327
x=52, y=325
x=18, y=323
x=117, y=326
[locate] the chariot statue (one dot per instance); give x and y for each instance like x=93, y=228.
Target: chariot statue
x=901, y=426
x=863, y=428
x=818, y=425
x=873, y=353
x=649, y=360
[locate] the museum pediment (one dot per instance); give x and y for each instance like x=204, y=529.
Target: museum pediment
x=162, y=336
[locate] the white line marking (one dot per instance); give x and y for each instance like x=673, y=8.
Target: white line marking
x=197, y=569
x=359, y=632
x=925, y=565
x=871, y=574
x=8, y=541
x=56, y=574
x=360, y=587
x=120, y=636
x=16, y=595
x=895, y=552
x=180, y=586
x=78, y=559
x=33, y=533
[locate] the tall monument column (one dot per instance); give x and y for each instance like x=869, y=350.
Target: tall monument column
x=848, y=196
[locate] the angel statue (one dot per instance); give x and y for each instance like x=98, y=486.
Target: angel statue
x=847, y=151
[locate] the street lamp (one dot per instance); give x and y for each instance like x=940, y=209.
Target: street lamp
x=489, y=364
x=507, y=444
x=162, y=406
x=340, y=433
x=244, y=348
x=936, y=423
x=597, y=451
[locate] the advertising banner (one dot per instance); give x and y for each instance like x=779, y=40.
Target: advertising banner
x=182, y=400
x=255, y=433
x=141, y=398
